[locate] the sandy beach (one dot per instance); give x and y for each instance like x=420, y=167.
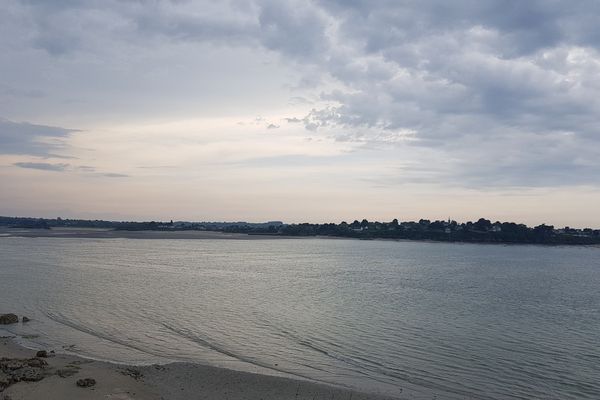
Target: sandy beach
x=98, y=233
x=60, y=373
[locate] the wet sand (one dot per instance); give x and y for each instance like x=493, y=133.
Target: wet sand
x=176, y=381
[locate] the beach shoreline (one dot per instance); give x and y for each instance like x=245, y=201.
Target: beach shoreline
x=173, y=381
x=104, y=233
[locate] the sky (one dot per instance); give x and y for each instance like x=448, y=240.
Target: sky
x=317, y=111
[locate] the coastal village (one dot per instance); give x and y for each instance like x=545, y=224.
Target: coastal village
x=481, y=231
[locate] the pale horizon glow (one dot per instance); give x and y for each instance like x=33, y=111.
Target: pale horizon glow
x=300, y=111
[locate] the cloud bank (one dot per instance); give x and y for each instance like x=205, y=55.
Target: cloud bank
x=507, y=90
x=42, y=166
x=31, y=139
x=474, y=95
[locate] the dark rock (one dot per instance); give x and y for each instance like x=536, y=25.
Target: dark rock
x=5, y=380
x=132, y=372
x=12, y=365
x=28, y=374
x=25, y=319
x=36, y=363
x=42, y=353
x=6, y=319
x=8, y=364
x=86, y=382
x=17, y=370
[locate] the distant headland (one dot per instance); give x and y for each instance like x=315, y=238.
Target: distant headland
x=481, y=231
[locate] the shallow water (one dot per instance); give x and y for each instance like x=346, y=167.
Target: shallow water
x=401, y=318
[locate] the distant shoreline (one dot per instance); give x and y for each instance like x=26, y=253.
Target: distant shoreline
x=106, y=233
x=103, y=233
x=480, y=231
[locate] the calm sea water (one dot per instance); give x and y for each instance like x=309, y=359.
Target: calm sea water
x=401, y=318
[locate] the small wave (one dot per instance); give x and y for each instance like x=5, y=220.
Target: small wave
x=248, y=360
x=376, y=370
x=5, y=333
x=197, y=339
x=113, y=339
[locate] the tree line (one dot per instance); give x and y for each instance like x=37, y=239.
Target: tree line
x=480, y=231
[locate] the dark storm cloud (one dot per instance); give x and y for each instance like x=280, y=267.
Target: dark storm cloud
x=31, y=139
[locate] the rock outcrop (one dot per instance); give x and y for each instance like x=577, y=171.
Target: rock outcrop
x=6, y=319
x=16, y=370
x=42, y=353
x=86, y=382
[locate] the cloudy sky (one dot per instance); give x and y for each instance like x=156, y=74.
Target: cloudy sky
x=301, y=111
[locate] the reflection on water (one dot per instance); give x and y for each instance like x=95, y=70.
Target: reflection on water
x=459, y=321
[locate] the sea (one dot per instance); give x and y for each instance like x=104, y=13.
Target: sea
x=404, y=319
